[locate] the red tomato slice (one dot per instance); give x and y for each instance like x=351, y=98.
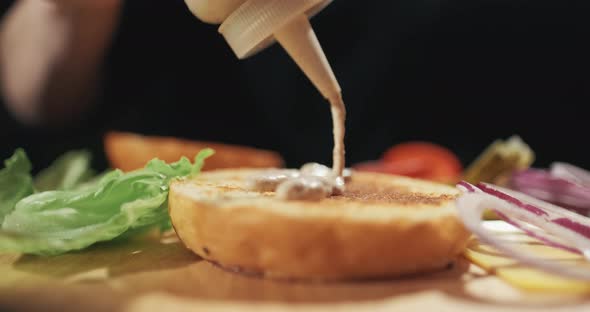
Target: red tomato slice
x=436, y=162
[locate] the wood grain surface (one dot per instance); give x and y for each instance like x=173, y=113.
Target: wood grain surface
x=152, y=274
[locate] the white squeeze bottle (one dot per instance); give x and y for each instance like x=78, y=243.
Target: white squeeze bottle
x=249, y=26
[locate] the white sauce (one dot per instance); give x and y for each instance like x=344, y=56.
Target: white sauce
x=313, y=181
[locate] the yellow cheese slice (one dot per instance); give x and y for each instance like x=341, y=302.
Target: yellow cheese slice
x=522, y=276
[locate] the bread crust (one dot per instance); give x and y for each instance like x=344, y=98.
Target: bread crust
x=251, y=238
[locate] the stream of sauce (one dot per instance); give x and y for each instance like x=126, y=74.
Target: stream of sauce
x=338, y=118
x=313, y=181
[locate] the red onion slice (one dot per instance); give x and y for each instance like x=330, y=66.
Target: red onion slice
x=548, y=187
x=556, y=220
x=536, y=233
x=467, y=187
x=471, y=207
x=527, y=229
x=571, y=173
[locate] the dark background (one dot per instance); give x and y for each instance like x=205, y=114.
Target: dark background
x=460, y=73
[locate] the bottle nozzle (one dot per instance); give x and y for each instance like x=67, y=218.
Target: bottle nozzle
x=300, y=41
x=257, y=23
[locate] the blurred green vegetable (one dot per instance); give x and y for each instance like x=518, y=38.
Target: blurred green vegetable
x=66, y=172
x=54, y=222
x=15, y=182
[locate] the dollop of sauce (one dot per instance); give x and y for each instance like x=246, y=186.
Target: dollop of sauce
x=312, y=182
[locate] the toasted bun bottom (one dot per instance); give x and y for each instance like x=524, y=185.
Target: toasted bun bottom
x=383, y=226
x=129, y=151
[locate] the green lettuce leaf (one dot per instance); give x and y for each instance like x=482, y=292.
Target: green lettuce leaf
x=55, y=222
x=15, y=182
x=66, y=172
x=200, y=160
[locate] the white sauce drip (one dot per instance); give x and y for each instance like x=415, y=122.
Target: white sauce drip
x=313, y=181
x=338, y=119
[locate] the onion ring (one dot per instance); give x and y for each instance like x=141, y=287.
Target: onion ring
x=519, y=209
x=571, y=173
x=556, y=189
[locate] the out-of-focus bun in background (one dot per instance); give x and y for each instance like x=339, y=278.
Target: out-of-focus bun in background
x=457, y=73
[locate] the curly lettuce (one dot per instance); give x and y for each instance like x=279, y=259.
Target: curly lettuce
x=15, y=182
x=58, y=221
x=66, y=172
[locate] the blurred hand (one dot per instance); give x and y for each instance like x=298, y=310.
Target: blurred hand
x=51, y=52
x=86, y=4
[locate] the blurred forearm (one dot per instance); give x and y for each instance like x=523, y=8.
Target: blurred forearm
x=50, y=56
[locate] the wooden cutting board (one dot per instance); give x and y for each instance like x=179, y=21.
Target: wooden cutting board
x=152, y=274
